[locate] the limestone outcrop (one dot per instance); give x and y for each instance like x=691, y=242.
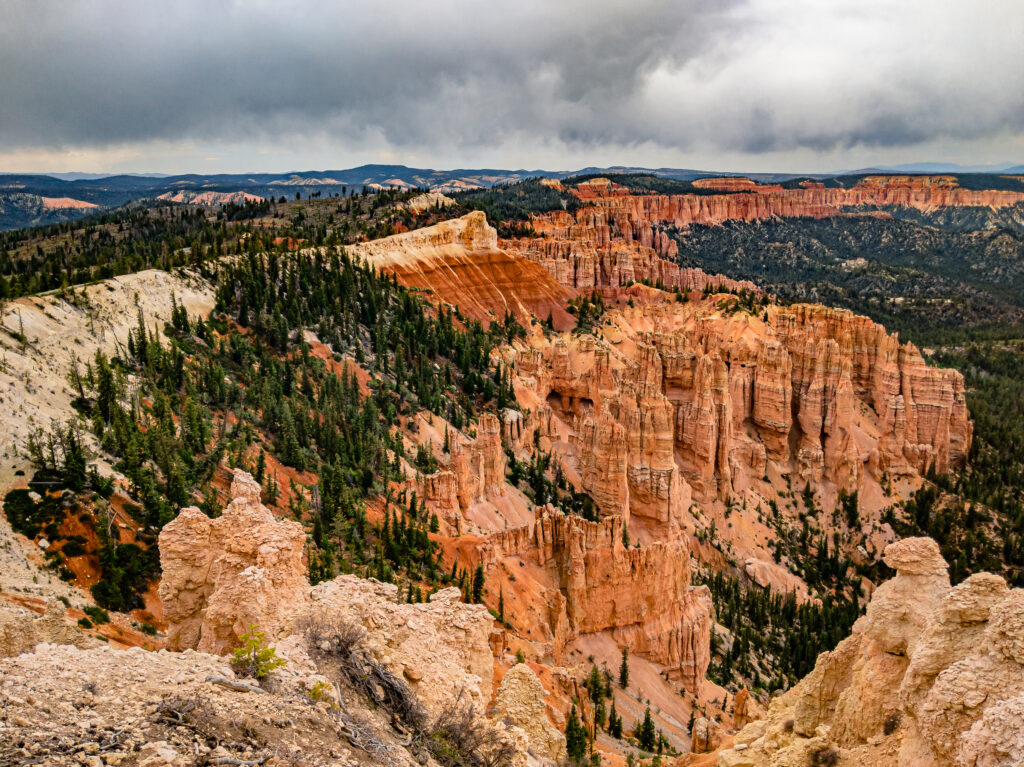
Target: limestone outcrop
x=459, y=262
x=931, y=676
x=21, y=629
x=618, y=237
x=707, y=399
x=479, y=466
x=595, y=249
x=743, y=199
x=440, y=647
x=706, y=735
x=221, y=575
x=246, y=567
x=520, y=702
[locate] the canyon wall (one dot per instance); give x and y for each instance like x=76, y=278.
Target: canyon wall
x=618, y=236
x=642, y=596
x=459, y=263
x=747, y=201
x=601, y=248
x=721, y=395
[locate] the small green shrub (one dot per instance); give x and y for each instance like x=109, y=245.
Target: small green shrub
x=85, y=623
x=98, y=614
x=320, y=692
x=253, y=657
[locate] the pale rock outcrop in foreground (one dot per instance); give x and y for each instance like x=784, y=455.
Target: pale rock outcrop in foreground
x=246, y=568
x=63, y=706
x=932, y=675
x=221, y=575
x=520, y=702
x=440, y=648
x=21, y=629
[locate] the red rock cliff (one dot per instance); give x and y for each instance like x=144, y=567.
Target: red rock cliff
x=642, y=596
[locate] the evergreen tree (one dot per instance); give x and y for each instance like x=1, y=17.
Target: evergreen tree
x=614, y=722
x=478, y=584
x=646, y=734
x=624, y=670
x=575, y=738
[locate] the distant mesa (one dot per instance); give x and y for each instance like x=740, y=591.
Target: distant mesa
x=305, y=181
x=209, y=198
x=67, y=203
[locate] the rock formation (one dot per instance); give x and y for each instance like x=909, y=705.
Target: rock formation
x=706, y=735
x=618, y=237
x=593, y=250
x=745, y=200
x=823, y=392
x=222, y=575
x=245, y=568
x=459, y=263
x=932, y=675
x=440, y=647
x=520, y=702
x=21, y=630
x=480, y=466
x=641, y=596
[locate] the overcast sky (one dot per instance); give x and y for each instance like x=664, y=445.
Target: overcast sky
x=745, y=85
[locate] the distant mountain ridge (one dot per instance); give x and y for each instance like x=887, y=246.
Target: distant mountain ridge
x=115, y=190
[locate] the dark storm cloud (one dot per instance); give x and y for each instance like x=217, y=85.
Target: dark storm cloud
x=752, y=76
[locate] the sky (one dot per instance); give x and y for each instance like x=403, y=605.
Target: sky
x=800, y=86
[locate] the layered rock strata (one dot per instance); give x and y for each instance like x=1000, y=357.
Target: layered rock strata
x=459, y=263
x=642, y=596
x=722, y=395
x=618, y=237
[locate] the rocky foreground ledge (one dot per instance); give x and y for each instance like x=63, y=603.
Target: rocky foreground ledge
x=931, y=676
x=429, y=667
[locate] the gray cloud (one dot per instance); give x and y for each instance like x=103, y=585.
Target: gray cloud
x=440, y=78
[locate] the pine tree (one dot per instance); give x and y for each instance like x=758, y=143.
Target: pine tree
x=261, y=467
x=624, y=670
x=478, y=584
x=646, y=734
x=614, y=722
x=575, y=738
x=501, y=606
x=595, y=685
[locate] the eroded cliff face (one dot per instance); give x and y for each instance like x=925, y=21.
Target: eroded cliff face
x=618, y=236
x=670, y=408
x=589, y=582
x=931, y=676
x=684, y=397
x=602, y=248
x=743, y=199
x=459, y=263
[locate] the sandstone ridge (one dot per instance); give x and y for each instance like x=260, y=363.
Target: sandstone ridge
x=460, y=263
